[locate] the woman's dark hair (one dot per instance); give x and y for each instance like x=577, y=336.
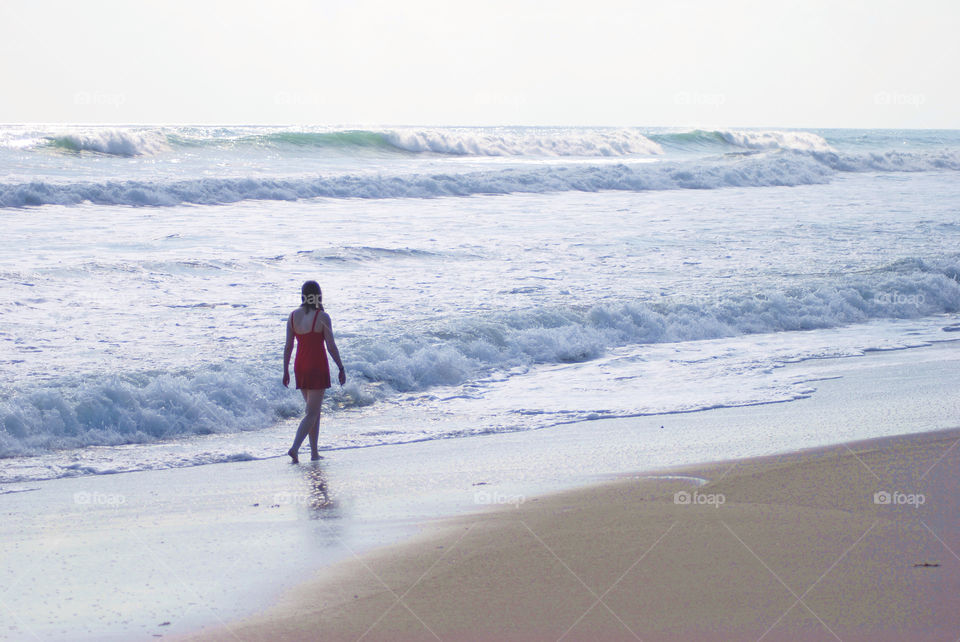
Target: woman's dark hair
x=311, y=297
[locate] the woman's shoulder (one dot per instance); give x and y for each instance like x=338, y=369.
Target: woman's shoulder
x=299, y=315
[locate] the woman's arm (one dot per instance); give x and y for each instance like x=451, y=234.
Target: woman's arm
x=332, y=346
x=287, y=351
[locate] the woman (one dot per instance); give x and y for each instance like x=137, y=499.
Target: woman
x=313, y=330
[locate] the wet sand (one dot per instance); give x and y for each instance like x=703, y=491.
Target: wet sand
x=790, y=547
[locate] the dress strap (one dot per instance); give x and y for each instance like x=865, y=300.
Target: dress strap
x=313, y=328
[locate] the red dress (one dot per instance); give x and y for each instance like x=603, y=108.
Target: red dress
x=310, y=365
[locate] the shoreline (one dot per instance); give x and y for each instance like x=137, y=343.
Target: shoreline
x=206, y=449
x=791, y=546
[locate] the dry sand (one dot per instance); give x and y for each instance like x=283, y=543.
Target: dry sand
x=792, y=547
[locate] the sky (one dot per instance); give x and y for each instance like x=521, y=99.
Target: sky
x=711, y=63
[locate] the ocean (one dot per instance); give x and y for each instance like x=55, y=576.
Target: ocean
x=480, y=280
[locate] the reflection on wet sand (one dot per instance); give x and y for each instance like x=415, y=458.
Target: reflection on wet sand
x=319, y=501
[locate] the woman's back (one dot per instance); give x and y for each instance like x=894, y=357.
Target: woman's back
x=306, y=320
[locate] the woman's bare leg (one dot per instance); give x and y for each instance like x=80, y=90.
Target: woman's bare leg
x=311, y=420
x=314, y=432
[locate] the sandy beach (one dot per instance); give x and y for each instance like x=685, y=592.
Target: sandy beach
x=850, y=542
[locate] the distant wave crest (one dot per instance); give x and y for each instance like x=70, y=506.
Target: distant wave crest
x=621, y=142
x=470, y=142
x=452, y=142
x=782, y=170
x=801, y=141
x=724, y=139
x=456, y=142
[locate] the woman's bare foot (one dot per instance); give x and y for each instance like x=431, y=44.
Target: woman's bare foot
x=314, y=456
x=293, y=456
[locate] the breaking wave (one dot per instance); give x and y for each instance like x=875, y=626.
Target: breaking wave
x=726, y=139
x=235, y=397
x=455, y=142
x=114, y=142
x=504, y=143
x=442, y=141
